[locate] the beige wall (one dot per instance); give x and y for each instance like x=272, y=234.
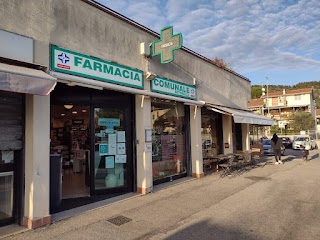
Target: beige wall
x=196, y=142
x=144, y=163
x=245, y=136
x=37, y=169
x=227, y=133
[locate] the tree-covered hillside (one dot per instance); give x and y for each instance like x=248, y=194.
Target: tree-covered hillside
x=256, y=91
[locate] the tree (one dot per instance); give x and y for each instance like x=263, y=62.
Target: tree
x=220, y=63
x=256, y=92
x=301, y=121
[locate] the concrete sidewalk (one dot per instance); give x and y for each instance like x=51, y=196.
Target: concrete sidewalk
x=270, y=202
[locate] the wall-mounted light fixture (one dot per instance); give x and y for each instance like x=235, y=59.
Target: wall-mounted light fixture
x=196, y=82
x=145, y=49
x=150, y=76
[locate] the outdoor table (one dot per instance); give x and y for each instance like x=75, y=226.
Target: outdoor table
x=209, y=161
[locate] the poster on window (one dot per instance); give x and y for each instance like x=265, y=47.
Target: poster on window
x=121, y=136
x=112, y=149
x=112, y=138
x=103, y=149
x=109, y=161
x=7, y=156
x=109, y=122
x=102, y=133
x=121, y=148
x=121, y=159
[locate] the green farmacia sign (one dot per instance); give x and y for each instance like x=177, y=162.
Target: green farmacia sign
x=173, y=88
x=167, y=44
x=67, y=61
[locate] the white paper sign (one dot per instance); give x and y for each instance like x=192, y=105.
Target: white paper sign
x=148, y=147
x=121, y=148
x=112, y=149
x=121, y=159
x=7, y=156
x=112, y=138
x=148, y=135
x=110, y=162
x=121, y=136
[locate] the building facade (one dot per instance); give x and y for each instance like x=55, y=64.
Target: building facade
x=87, y=113
x=279, y=105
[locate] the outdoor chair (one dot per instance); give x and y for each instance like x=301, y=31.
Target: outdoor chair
x=237, y=165
x=228, y=168
x=258, y=161
x=244, y=159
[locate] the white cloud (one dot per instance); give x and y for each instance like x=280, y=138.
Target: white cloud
x=251, y=35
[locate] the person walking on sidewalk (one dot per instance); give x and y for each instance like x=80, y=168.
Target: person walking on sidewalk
x=276, y=144
x=306, y=145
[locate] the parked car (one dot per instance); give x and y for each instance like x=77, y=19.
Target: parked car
x=268, y=150
x=299, y=142
x=286, y=142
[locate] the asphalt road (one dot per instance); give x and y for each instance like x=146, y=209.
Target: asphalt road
x=270, y=202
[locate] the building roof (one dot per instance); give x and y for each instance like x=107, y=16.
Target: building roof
x=155, y=34
x=256, y=102
x=317, y=112
x=289, y=92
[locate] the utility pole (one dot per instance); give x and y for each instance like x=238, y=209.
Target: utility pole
x=268, y=96
x=315, y=119
x=269, y=128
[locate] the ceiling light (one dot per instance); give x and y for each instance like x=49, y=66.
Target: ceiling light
x=68, y=106
x=83, y=110
x=62, y=114
x=74, y=112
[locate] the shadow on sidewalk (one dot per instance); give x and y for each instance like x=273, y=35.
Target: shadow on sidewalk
x=314, y=156
x=288, y=159
x=205, y=230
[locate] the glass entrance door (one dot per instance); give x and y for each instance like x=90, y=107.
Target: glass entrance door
x=113, y=167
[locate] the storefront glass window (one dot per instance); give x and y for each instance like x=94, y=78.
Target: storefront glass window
x=168, y=139
x=210, y=135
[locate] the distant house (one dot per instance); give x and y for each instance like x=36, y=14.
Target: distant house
x=279, y=105
x=318, y=119
x=256, y=105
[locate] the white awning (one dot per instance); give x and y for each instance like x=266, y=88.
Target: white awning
x=242, y=116
x=25, y=80
x=90, y=83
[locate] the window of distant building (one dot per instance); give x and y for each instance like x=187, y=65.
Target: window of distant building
x=297, y=97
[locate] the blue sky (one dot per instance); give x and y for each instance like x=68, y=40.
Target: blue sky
x=278, y=39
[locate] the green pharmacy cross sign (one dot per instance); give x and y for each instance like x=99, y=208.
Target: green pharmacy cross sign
x=166, y=45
